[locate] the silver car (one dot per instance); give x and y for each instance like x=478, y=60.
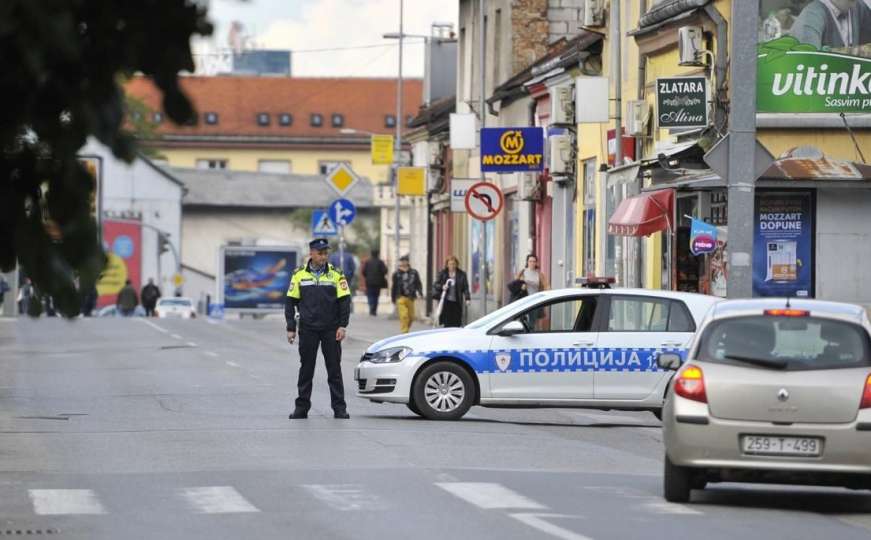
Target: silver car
x=772, y=391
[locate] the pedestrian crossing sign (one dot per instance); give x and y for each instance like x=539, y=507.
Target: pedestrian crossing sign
x=322, y=225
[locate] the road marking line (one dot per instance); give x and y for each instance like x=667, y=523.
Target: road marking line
x=345, y=497
x=536, y=521
x=212, y=354
x=217, y=500
x=176, y=336
x=486, y=495
x=191, y=344
x=54, y=502
x=151, y=324
x=232, y=364
x=662, y=507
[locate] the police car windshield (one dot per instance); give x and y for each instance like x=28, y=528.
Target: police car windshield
x=504, y=311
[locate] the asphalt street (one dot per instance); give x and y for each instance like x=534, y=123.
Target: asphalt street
x=171, y=429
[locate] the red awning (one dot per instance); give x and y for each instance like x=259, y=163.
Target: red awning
x=644, y=214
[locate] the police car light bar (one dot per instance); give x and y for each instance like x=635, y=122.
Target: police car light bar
x=597, y=282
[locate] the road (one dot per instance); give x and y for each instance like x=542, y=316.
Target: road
x=171, y=429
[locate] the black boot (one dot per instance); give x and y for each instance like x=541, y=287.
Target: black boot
x=343, y=415
x=298, y=414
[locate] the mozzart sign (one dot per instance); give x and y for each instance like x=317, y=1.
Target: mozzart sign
x=682, y=102
x=512, y=149
x=814, y=57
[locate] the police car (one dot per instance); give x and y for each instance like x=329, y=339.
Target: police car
x=581, y=348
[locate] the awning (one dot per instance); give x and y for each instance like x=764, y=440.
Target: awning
x=643, y=215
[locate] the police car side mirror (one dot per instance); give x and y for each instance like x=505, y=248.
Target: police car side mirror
x=512, y=328
x=668, y=360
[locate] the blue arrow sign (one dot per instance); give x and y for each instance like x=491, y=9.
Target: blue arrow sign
x=342, y=212
x=322, y=225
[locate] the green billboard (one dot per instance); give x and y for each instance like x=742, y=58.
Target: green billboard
x=814, y=56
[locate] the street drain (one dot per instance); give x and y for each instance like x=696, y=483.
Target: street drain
x=24, y=532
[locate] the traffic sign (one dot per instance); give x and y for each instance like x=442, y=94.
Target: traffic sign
x=484, y=201
x=411, y=181
x=177, y=279
x=322, y=225
x=342, y=212
x=381, y=148
x=341, y=179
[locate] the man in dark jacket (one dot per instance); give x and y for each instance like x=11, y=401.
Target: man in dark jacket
x=320, y=300
x=150, y=295
x=127, y=300
x=375, y=277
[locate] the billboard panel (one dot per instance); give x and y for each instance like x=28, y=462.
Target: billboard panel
x=122, y=242
x=814, y=56
x=783, y=244
x=512, y=149
x=255, y=278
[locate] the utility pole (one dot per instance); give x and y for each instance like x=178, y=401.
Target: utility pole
x=622, y=242
x=742, y=148
x=397, y=144
x=482, y=42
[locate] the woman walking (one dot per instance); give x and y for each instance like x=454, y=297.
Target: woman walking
x=454, y=285
x=534, y=281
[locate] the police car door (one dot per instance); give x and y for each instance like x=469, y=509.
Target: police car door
x=636, y=328
x=547, y=361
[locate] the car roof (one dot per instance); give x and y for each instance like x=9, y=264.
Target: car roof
x=729, y=308
x=699, y=304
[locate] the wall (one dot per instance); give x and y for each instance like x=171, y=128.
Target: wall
x=843, y=245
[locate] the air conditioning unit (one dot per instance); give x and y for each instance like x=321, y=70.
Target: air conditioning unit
x=560, y=154
x=562, y=105
x=636, y=117
x=690, y=43
x=527, y=186
x=594, y=13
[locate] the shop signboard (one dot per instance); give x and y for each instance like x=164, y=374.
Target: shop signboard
x=682, y=102
x=783, y=244
x=814, y=57
x=703, y=237
x=513, y=149
x=255, y=278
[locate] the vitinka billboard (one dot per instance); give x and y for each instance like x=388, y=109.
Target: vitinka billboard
x=814, y=56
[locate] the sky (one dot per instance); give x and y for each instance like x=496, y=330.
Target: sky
x=308, y=26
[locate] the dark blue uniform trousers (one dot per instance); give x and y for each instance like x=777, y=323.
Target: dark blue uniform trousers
x=309, y=342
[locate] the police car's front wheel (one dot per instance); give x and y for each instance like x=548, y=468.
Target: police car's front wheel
x=443, y=391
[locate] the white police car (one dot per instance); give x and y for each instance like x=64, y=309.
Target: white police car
x=562, y=348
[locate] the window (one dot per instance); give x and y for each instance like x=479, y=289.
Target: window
x=389, y=121
x=278, y=166
x=638, y=314
x=285, y=119
x=338, y=120
x=325, y=167
x=211, y=163
x=567, y=315
x=157, y=117
x=316, y=120
x=263, y=119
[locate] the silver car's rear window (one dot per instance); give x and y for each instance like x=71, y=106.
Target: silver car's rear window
x=792, y=343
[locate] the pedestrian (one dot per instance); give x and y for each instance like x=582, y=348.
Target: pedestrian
x=346, y=265
x=405, y=290
x=318, y=307
x=127, y=300
x=533, y=281
x=374, y=275
x=25, y=294
x=150, y=295
x=89, y=301
x=454, y=285
x=4, y=288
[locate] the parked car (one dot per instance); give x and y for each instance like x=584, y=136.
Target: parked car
x=772, y=391
x=112, y=311
x=587, y=348
x=177, y=307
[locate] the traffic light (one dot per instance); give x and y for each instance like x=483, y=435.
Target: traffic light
x=162, y=243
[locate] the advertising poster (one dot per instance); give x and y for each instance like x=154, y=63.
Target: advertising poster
x=814, y=56
x=257, y=278
x=703, y=237
x=518, y=149
x=783, y=245
x=475, y=256
x=122, y=243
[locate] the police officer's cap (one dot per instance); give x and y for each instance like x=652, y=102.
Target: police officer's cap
x=319, y=244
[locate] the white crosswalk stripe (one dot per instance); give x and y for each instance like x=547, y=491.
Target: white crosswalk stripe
x=346, y=497
x=53, y=502
x=216, y=500
x=488, y=496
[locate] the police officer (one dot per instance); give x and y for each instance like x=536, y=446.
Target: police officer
x=320, y=299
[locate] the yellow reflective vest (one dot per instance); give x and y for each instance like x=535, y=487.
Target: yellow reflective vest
x=319, y=301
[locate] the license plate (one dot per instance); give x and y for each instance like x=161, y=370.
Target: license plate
x=781, y=446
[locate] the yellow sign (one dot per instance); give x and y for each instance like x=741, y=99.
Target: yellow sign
x=411, y=181
x=511, y=142
x=113, y=277
x=382, y=149
x=341, y=179
x=177, y=280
